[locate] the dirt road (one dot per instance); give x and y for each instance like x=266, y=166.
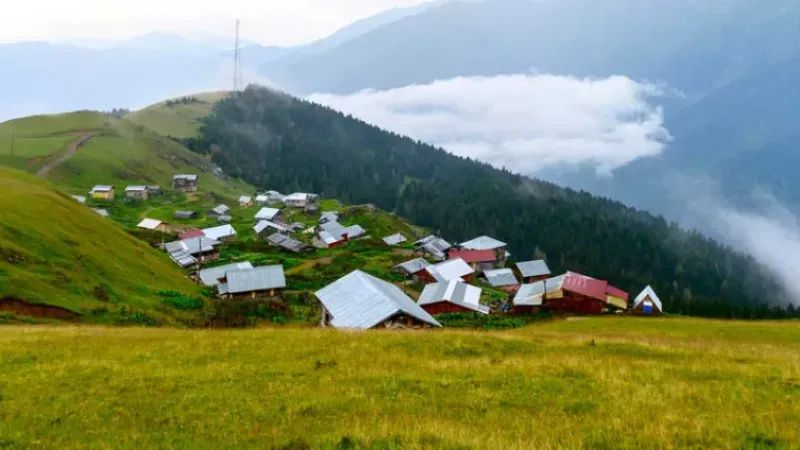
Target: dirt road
x=65, y=155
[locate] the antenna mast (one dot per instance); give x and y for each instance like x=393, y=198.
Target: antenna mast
x=237, y=60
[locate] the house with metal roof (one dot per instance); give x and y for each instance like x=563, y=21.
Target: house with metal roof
x=328, y=216
x=258, y=283
x=360, y=301
x=267, y=214
x=300, y=199
x=262, y=199
x=432, y=246
x=184, y=215
x=480, y=260
x=530, y=296
x=414, y=269
x=454, y=269
x=217, y=211
x=153, y=225
x=488, y=243
x=184, y=183
x=213, y=275
x=79, y=198
x=136, y=192
x=191, y=233
x=333, y=234
x=502, y=279
x=153, y=190
x=647, y=303
x=395, y=239
x=288, y=244
x=274, y=197
x=224, y=219
x=452, y=297
x=188, y=252
x=102, y=192
x=222, y=233
x=532, y=271
x=265, y=228
x=245, y=201
x=102, y=211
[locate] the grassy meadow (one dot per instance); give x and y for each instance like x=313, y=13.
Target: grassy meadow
x=594, y=383
x=177, y=120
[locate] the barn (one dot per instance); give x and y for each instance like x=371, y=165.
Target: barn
x=452, y=297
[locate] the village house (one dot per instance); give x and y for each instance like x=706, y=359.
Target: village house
x=479, y=260
x=360, y=301
x=224, y=219
x=334, y=234
x=502, y=279
x=452, y=297
x=616, y=299
x=395, y=239
x=413, y=269
x=580, y=294
x=212, y=276
x=222, y=233
x=184, y=215
x=532, y=271
x=153, y=190
x=300, y=200
x=102, y=211
x=288, y=244
x=218, y=211
x=262, y=199
x=432, y=246
x=268, y=214
x=265, y=228
x=153, y=225
x=274, y=197
x=454, y=269
x=189, y=252
x=184, y=183
x=328, y=216
x=102, y=192
x=136, y=192
x=489, y=243
x=192, y=233
x=529, y=297
x=258, y=283
x=245, y=201
x=647, y=303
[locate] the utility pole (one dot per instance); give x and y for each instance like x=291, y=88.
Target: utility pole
x=237, y=56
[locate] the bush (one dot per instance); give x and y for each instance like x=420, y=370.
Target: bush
x=481, y=321
x=180, y=301
x=236, y=313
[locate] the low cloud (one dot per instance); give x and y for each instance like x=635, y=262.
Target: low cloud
x=525, y=123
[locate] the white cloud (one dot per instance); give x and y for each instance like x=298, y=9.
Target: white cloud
x=523, y=122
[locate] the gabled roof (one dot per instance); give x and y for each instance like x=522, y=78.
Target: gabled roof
x=184, y=214
x=413, y=266
x=211, y=276
x=454, y=269
x=221, y=209
x=267, y=213
x=261, y=198
x=483, y=243
x=102, y=211
x=287, y=243
x=336, y=231
x=531, y=294
x=245, y=199
x=184, y=176
x=536, y=268
x=264, y=224
x=648, y=292
x=329, y=216
x=298, y=196
x=256, y=279
x=588, y=286
x=616, y=292
x=220, y=232
x=361, y=301
x=473, y=256
x=456, y=292
x=102, y=188
x=395, y=239
x=192, y=246
x=501, y=278
x=135, y=188
x=149, y=224
x=434, y=245
x=189, y=234
x=79, y=198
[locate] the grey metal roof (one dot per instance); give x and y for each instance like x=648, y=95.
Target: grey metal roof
x=483, y=243
x=454, y=269
x=531, y=294
x=255, y=279
x=102, y=188
x=102, y=211
x=413, y=266
x=395, y=239
x=456, y=292
x=184, y=214
x=135, y=188
x=536, y=268
x=329, y=216
x=220, y=232
x=287, y=243
x=184, y=176
x=361, y=301
x=192, y=246
x=245, y=199
x=211, y=276
x=182, y=258
x=79, y=198
x=264, y=224
x=501, y=277
x=221, y=209
x=337, y=231
x=267, y=213
x=224, y=218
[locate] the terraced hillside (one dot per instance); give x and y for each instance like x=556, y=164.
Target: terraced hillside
x=179, y=117
x=77, y=265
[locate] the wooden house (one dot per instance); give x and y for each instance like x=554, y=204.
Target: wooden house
x=300, y=200
x=154, y=190
x=102, y=192
x=153, y=225
x=647, y=303
x=218, y=211
x=265, y=229
x=489, y=243
x=360, y=301
x=245, y=201
x=222, y=233
x=531, y=271
x=288, y=244
x=189, y=252
x=184, y=215
x=433, y=247
x=184, y=183
x=451, y=297
x=454, y=269
x=415, y=269
x=137, y=192
x=616, y=299
x=479, y=260
x=502, y=279
x=271, y=214
x=258, y=283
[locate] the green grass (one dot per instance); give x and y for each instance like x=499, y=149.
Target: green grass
x=55, y=251
x=597, y=383
x=179, y=120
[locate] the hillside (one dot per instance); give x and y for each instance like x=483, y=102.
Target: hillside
x=568, y=384
x=180, y=117
x=278, y=142
x=118, y=152
x=56, y=252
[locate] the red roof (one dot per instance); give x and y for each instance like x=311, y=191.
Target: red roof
x=616, y=292
x=581, y=284
x=191, y=234
x=473, y=256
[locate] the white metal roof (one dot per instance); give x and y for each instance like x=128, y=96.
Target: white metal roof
x=185, y=177
x=149, y=224
x=298, y=196
x=531, y=294
x=102, y=188
x=79, y=198
x=255, y=279
x=192, y=246
x=648, y=292
x=450, y=270
x=135, y=188
x=245, y=199
x=219, y=232
x=329, y=216
x=483, y=243
x=395, y=239
x=221, y=209
x=361, y=301
x=501, y=277
x=262, y=198
x=413, y=266
x=536, y=268
x=456, y=292
x=267, y=213
x=264, y=224
x=211, y=276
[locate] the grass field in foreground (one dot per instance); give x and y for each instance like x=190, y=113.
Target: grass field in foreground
x=595, y=383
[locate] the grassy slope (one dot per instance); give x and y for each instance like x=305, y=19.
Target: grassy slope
x=56, y=251
x=181, y=120
x=598, y=383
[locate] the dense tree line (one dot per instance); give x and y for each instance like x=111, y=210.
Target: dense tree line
x=278, y=142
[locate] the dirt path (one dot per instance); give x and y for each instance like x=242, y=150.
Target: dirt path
x=309, y=264
x=65, y=155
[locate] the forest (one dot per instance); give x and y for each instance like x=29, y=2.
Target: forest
x=275, y=141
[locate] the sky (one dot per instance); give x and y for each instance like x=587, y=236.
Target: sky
x=268, y=22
